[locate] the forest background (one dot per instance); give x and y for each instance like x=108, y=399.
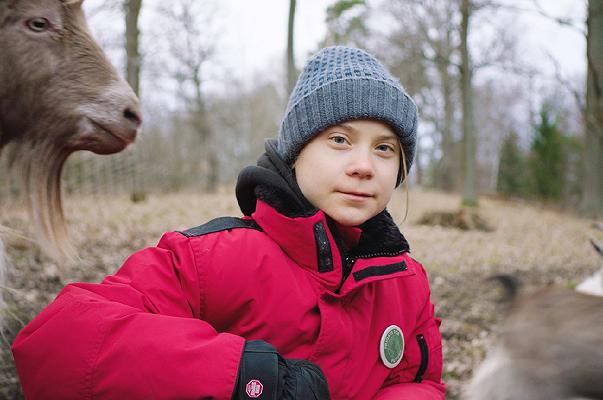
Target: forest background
x=501, y=87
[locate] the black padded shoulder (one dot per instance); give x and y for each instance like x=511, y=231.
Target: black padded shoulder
x=221, y=224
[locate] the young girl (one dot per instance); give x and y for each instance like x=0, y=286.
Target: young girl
x=311, y=295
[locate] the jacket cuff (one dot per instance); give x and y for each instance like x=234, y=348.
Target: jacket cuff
x=258, y=372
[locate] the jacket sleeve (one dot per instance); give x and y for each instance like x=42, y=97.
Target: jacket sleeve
x=408, y=383
x=135, y=335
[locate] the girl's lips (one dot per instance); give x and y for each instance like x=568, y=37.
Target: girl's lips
x=356, y=196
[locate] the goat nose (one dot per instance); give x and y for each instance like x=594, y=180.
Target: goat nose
x=131, y=120
x=132, y=114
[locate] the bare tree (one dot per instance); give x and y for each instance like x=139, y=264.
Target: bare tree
x=346, y=23
x=427, y=43
x=132, y=10
x=593, y=155
x=434, y=26
x=469, y=142
x=258, y=117
x=191, y=46
x=133, y=64
x=444, y=50
x=592, y=106
x=291, y=70
x=426, y=52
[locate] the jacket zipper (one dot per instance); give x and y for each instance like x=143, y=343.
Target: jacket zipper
x=346, y=270
x=424, y=358
x=349, y=261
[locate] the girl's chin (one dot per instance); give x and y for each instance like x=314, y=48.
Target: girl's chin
x=351, y=218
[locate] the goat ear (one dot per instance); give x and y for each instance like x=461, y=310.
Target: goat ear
x=511, y=286
x=597, y=245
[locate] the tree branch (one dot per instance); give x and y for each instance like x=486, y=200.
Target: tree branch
x=567, y=85
x=574, y=24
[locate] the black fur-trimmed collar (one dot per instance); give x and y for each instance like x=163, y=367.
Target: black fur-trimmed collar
x=273, y=182
x=380, y=234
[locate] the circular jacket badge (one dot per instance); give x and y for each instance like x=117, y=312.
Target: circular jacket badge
x=392, y=346
x=254, y=388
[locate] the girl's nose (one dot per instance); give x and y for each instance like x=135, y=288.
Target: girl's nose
x=361, y=165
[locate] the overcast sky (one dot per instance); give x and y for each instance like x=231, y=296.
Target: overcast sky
x=256, y=32
x=252, y=35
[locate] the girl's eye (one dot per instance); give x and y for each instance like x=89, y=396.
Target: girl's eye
x=338, y=139
x=38, y=24
x=385, y=148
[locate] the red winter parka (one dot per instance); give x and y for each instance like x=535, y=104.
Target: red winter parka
x=173, y=320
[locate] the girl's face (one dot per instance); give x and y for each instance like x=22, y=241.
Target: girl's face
x=349, y=170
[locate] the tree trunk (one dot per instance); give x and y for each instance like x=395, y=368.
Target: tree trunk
x=447, y=165
x=593, y=143
x=132, y=10
x=417, y=164
x=291, y=70
x=132, y=35
x=209, y=159
x=469, y=146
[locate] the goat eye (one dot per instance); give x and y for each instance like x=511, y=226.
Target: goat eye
x=38, y=24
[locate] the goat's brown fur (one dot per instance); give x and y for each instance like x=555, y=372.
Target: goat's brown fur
x=58, y=94
x=551, y=348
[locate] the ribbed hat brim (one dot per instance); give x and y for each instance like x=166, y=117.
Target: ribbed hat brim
x=344, y=100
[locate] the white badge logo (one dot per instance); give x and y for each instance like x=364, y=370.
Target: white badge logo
x=392, y=346
x=254, y=388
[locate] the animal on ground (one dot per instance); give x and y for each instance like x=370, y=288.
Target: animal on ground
x=550, y=347
x=58, y=94
x=594, y=283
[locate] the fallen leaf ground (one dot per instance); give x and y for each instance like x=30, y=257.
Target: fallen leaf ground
x=537, y=244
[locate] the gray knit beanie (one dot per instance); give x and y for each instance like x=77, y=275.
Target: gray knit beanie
x=340, y=84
